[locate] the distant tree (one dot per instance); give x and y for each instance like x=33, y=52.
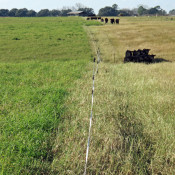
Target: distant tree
x=142, y=11
x=115, y=6
x=153, y=11
x=107, y=11
x=12, y=12
x=126, y=12
x=162, y=12
x=21, y=12
x=172, y=12
x=4, y=12
x=144, y=6
x=43, y=13
x=65, y=11
x=31, y=13
x=156, y=11
x=55, y=13
x=88, y=11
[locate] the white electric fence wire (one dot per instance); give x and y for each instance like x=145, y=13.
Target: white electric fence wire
x=90, y=125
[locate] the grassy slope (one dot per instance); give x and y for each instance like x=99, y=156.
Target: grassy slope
x=134, y=123
x=39, y=60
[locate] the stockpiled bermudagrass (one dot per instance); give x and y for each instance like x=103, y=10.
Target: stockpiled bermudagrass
x=133, y=122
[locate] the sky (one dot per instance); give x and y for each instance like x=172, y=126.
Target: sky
x=95, y=4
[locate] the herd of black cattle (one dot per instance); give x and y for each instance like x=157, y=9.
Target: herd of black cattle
x=139, y=56
x=106, y=20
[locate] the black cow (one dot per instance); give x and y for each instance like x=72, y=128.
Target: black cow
x=94, y=18
x=102, y=20
x=135, y=53
x=117, y=21
x=128, y=53
x=112, y=21
x=106, y=20
x=146, y=51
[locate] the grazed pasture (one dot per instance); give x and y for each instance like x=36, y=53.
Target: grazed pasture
x=40, y=58
x=134, y=109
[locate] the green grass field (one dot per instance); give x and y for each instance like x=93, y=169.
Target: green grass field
x=40, y=58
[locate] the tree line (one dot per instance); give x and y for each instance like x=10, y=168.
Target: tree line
x=45, y=12
x=106, y=11
x=32, y=13
x=140, y=11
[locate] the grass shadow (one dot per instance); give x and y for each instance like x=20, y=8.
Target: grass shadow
x=160, y=60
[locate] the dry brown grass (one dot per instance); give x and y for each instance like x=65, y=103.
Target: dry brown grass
x=133, y=123
x=134, y=111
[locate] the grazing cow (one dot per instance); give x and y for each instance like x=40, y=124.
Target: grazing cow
x=117, y=21
x=146, y=51
x=106, y=20
x=112, y=21
x=135, y=53
x=138, y=52
x=102, y=20
x=88, y=19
